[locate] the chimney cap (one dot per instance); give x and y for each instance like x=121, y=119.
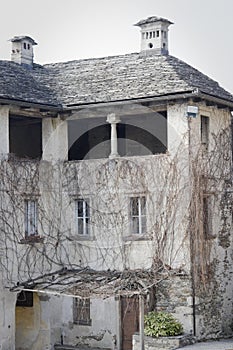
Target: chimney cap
x=23, y=37
x=153, y=19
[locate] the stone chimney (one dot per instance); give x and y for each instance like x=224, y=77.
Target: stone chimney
x=22, y=50
x=154, y=31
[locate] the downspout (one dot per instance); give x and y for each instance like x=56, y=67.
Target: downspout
x=190, y=233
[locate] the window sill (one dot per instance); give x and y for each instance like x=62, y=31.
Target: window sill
x=32, y=239
x=83, y=323
x=137, y=237
x=81, y=238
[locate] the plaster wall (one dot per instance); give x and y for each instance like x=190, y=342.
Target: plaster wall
x=7, y=319
x=103, y=332
x=4, y=131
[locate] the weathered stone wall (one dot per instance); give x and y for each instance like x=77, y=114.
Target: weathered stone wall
x=163, y=343
x=174, y=295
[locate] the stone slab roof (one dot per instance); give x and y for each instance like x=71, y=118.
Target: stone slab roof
x=107, y=79
x=152, y=19
x=19, y=83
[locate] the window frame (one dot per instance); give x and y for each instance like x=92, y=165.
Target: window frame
x=205, y=132
x=85, y=217
x=142, y=227
x=82, y=311
x=31, y=217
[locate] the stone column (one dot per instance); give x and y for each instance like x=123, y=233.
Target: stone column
x=113, y=120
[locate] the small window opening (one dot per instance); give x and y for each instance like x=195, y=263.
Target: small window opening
x=205, y=132
x=138, y=215
x=81, y=311
x=150, y=45
x=25, y=46
x=164, y=45
x=153, y=34
x=31, y=208
x=150, y=35
x=83, y=216
x=157, y=33
x=28, y=46
x=147, y=35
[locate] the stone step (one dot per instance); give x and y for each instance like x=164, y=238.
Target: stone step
x=70, y=347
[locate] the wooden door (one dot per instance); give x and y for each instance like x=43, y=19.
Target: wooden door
x=129, y=320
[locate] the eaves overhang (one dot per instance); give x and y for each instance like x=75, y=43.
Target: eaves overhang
x=28, y=104
x=183, y=95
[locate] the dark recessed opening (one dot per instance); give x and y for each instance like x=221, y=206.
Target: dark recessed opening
x=25, y=299
x=25, y=137
x=150, y=45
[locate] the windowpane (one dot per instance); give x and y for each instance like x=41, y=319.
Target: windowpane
x=135, y=225
x=80, y=226
x=138, y=215
x=82, y=311
x=80, y=208
x=143, y=205
x=83, y=216
x=30, y=217
x=134, y=206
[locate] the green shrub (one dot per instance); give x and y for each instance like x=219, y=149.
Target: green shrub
x=162, y=324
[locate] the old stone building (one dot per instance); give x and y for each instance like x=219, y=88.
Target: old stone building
x=115, y=185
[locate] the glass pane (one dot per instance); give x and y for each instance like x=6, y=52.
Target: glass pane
x=134, y=206
x=87, y=226
x=80, y=208
x=143, y=205
x=80, y=226
x=134, y=225
x=87, y=209
x=143, y=224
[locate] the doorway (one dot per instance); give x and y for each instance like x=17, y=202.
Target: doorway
x=129, y=320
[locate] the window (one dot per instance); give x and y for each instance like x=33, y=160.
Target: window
x=83, y=216
x=157, y=33
x=81, y=311
x=205, y=132
x=138, y=215
x=207, y=218
x=31, y=207
x=24, y=46
x=25, y=299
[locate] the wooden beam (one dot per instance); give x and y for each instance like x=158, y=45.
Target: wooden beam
x=32, y=112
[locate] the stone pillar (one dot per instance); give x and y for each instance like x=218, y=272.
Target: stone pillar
x=113, y=120
x=4, y=131
x=55, y=139
x=45, y=331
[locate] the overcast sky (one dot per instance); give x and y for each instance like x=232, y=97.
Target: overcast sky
x=202, y=34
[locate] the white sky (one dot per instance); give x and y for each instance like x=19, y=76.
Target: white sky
x=71, y=29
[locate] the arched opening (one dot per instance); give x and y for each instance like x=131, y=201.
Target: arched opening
x=137, y=136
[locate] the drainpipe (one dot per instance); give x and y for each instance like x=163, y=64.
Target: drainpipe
x=191, y=239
